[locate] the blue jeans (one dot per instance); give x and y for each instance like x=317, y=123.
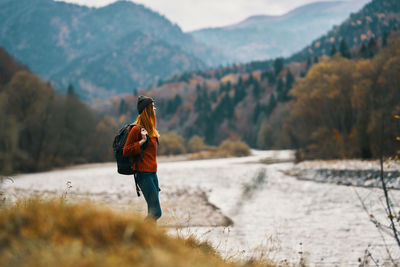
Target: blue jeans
x=148, y=184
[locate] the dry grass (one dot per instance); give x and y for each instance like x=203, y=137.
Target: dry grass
x=37, y=232
x=226, y=149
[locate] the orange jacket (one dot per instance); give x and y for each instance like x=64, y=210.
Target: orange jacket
x=132, y=149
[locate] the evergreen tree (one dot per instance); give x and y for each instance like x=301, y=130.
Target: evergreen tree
x=256, y=89
x=170, y=107
x=234, y=68
x=372, y=43
x=224, y=110
x=289, y=80
x=71, y=90
x=228, y=87
x=333, y=50
x=240, y=93
x=250, y=80
x=280, y=89
x=178, y=100
x=288, y=85
x=173, y=104
x=271, y=78
x=371, y=47
x=308, y=63
x=278, y=65
x=264, y=75
x=198, y=102
x=256, y=112
x=228, y=106
x=240, y=81
x=384, y=38
x=344, y=50
x=214, y=96
x=123, y=108
x=221, y=88
x=364, y=51
x=271, y=104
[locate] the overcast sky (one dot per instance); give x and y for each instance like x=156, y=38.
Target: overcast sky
x=196, y=14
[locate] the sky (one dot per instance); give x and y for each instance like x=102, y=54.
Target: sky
x=196, y=14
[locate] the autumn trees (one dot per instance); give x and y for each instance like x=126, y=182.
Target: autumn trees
x=41, y=129
x=339, y=106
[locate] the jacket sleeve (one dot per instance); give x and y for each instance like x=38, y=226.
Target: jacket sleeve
x=132, y=146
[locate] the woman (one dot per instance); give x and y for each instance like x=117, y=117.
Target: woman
x=146, y=165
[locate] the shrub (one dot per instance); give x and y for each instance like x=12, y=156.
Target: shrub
x=234, y=148
x=171, y=143
x=227, y=148
x=196, y=144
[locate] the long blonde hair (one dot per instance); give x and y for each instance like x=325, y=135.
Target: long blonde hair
x=147, y=119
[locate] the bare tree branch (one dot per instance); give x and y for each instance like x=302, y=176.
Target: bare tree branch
x=384, y=186
x=377, y=224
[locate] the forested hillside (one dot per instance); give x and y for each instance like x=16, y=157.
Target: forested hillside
x=41, y=129
x=361, y=30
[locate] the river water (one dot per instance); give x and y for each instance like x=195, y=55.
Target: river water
x=272, y=213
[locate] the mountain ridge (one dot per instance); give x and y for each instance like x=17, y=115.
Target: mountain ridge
x=48, y=36
x=263, y=37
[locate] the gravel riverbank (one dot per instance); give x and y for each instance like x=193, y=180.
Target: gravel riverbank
x=348, y=172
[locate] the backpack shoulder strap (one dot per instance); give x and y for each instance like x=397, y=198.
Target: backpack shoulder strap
x=145, y=144
x=132, y=125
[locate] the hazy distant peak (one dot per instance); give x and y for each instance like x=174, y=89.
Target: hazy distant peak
x=263, y=37
x=253, y=20
x=123, y=3
x=314, y=6
x=305, y=10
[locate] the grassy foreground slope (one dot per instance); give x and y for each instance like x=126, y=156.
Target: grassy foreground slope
x=37, y=232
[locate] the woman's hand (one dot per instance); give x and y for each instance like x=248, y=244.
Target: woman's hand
x=143, y=132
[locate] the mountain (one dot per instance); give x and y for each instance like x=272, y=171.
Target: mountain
x=68, y=43
x=136, y=57
x=264, y=37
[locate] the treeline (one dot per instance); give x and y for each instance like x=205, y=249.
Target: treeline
x=346, y=108
x=276, y=131
x=41, y=129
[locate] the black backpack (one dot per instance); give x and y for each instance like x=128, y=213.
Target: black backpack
x=124, y=164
